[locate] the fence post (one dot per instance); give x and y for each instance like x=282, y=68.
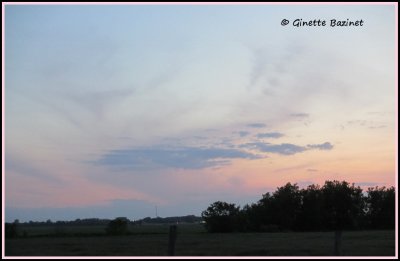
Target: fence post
x=338, y=242
x=171, y=240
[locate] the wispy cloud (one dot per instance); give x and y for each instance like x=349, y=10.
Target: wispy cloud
x=368, y=184
x=98, y=101
x=258, y=66
x=323, y=146
x=378, y=127
x=285, y=148
x=366, y=124
x=172, y=157
x=300, y=115
x=270, y=135
x=27, y=168
x=256, y=125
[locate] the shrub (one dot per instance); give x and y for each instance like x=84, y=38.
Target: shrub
x=118, y=226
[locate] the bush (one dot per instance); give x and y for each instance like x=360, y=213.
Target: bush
x=118, y=226
x=11, y=230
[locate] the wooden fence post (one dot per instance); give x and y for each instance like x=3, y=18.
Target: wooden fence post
x=172, y=239
x=338, y=242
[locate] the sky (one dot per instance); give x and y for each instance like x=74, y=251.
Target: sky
x=116, y=110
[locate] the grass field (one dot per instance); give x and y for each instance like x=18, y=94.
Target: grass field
x=192, y=240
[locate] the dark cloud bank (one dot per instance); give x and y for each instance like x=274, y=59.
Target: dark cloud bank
x=173, y=157
x=196, y=157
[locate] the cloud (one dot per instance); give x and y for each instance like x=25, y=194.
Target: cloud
x=258, y=66
x=270, y=135
x=28, y=167
x=256, y=125
x=366, y=124
x=367, y=184
x=172, y=157
x=98, y=101
x=243, y=133
x=323, y=146
x=295, y=167
x=312, y=170
x=378, y=127
x=300, y=115
x=285, y=148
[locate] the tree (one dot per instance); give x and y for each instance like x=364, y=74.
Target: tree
x=381, y=208
x=221, y=217
x=12, y=229
x=286, y=205
x=335, y=206
x=311, y=214
x=118, y=226
x=254, y=217
x=342, y=207
x=265, y=209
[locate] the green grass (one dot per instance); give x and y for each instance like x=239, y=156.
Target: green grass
x=152, y=240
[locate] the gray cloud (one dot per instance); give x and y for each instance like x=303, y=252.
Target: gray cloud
x=285, y=148
x=243, y=133
x=323, y=146
x=256, y=125
x=172, y=157
x=368, y=184
x=270, y=135
x=366, y=124
x=300, y=115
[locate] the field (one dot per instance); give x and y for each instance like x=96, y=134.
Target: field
x=192, y=240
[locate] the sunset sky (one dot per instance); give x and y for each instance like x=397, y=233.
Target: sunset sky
x=113, y=110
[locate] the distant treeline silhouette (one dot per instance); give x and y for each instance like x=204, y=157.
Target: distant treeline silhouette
x=170, y=220
x=335, y=206
x=115, y=226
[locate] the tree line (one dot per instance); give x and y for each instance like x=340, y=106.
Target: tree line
x=117, y=226
x=335, y=206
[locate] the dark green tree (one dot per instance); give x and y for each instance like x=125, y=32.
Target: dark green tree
x=343, y=206
x=336, y=206
x=265, y=209
x=286, y=206
x=254, y=217
x=381, y=208
x=311, y=214
x=222, y=217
